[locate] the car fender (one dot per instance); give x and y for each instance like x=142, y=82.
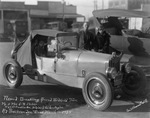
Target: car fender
x=89, y=62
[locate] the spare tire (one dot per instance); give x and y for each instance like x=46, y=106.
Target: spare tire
x=12, y=72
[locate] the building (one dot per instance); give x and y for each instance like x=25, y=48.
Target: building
x=142, y=5
x=137, y=4
x=118, y=4
x=127, y=4
x=21, y=18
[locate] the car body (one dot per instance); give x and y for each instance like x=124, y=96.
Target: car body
x=132, y=41
x=55, y=57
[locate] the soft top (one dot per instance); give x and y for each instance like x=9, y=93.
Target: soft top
x=120, y=13
x=52, y=33
x=46, y=32
x=24, y=52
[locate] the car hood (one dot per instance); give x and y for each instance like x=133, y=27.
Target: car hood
x=89, y=56
x=89, y=62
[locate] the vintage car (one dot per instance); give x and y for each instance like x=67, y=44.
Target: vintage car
x=125, y=35
x=54, y=57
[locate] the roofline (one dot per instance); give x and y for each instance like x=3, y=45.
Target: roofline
x=117, y=12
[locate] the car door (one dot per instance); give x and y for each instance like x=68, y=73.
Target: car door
x=48, y=65
x=66, y=68
x=67, y=59
x=67, y=63
x=48, y=61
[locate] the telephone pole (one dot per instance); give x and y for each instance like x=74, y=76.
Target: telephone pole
x=63, y=10
x=95, y=5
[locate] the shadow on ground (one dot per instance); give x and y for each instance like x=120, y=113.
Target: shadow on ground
x=126, y=103
x=50, y=99
x=39, y=99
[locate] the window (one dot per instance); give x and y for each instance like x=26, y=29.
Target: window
x=67, y=43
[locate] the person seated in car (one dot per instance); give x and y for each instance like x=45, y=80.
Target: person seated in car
x=42, y=48
x=51, y=47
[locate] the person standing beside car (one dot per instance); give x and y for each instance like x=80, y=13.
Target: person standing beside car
x=86, y=38
x=103, y=39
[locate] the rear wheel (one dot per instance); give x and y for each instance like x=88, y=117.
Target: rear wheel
x=134, y=82
x=97, y=91
x=13, y=73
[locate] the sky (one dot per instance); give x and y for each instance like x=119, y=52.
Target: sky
x=84, y=7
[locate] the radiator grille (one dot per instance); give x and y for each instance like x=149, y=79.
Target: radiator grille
x=115, y=62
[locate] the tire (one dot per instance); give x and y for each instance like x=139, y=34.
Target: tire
x=12, y=72
x=97, y=91
x=134, y=83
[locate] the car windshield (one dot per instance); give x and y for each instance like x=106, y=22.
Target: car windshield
x=67, y=42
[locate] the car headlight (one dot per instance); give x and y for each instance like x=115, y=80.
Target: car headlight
x=13, y=54
x=12, y=51
x=127, y=68
x=111, y=72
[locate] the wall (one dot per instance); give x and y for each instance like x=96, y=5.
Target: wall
x=57, y=7
x=39, y=12
x=1, y=22
x=119, y=4
x=146, y=21
x=1, y=26
x=70, y=9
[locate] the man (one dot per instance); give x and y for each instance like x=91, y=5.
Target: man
x=103, y=39
x=113, y=22
x=87, y=39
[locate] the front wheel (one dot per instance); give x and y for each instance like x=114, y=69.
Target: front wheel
x=97, y=91
x=13, y=73
x=134, y=83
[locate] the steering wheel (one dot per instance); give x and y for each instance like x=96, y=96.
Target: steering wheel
x=67, y=42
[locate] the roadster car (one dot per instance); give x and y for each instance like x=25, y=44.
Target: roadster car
x=55, y=57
